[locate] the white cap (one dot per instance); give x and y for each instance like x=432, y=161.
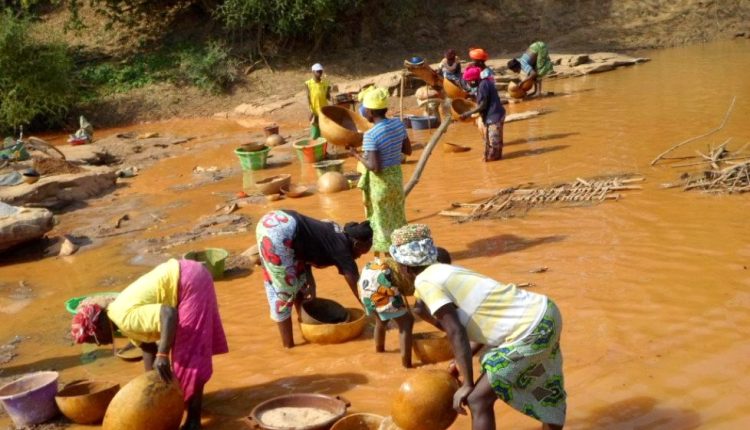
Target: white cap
x=317, y=67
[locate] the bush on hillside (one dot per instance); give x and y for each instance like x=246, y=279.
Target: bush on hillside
x=211, y=69
x=35, y=79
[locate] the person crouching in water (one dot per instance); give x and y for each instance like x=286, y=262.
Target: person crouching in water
x=521, y=330
x=383, y=291
x=290, y=243
x=492, y=113
x=170, y=312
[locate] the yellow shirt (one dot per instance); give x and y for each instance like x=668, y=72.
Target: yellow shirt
x=136, y=311
x=318, y=94
x=492, y=313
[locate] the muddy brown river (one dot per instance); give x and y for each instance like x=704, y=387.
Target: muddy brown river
x=654, y=288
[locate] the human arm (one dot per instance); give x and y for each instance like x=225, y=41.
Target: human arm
x=420, y=309
x=370, y=159
x=481, y=106
x=311, y=285
x=309, y=102
x=168, y=318
x=351, y=280
x=406, y=146
x=447, y=315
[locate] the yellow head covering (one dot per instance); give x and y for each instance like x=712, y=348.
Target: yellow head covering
x=376, y=99
x=363, y=92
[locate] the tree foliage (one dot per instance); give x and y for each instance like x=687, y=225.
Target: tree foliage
x=36, y=79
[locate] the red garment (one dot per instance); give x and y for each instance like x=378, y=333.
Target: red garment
x=200, y=334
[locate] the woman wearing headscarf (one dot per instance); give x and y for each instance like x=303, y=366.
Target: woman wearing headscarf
x=479, y=56
x=535, y=64
x=522, y=363
x=290, y=245
x=382, y=180
x=492, y=114
x=170, y=312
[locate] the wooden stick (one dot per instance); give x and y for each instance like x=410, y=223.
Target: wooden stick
x=693, y=139
x=426, y=154
x=401, y=98
x=452, y=214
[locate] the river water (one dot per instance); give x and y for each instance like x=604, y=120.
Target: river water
x=653, y=288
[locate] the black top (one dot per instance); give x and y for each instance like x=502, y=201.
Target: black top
x=495, y=110
x=317, y=243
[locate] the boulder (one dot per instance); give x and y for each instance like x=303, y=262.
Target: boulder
x=60, y=190
x=19, y=225
x=588, y=69
x=92, y=154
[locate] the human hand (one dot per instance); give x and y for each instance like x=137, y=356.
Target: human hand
x=164, y=367
x=459, y=399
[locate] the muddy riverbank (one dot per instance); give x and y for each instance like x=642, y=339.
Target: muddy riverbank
x=652, y=287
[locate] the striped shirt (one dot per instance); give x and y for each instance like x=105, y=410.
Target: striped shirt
x=526, y=64
x=386, y=137
x=493, y=313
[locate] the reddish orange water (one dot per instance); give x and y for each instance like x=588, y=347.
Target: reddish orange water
x=653, y=288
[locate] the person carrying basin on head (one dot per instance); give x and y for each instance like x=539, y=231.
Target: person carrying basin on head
x=492, y=113
x=521, y=330
x=535, y=64
x=290, y=244
x=383, y=291
x=380, y=164
x=170, y=312
x=318, y=92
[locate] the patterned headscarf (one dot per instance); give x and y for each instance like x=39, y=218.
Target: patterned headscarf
x=412, y=245
x=84, y=322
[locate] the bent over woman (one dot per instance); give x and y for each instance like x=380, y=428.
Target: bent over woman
x=290, y=244
x=170, y=312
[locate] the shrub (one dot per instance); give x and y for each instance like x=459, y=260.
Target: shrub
x=35, y=79
x=211, y=69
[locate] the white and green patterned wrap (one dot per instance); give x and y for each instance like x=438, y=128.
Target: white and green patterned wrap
x=379, y=291
x=527, y=374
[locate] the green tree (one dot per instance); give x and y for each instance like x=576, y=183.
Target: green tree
x=35, y=79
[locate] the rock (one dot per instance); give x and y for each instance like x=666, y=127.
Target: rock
x=67, y=248
x=91, y=154
x=253, y=254
x=588, y=69
x=60, y=190
x=20, y=225
x=577, y=60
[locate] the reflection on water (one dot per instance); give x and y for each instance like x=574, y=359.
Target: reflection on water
x=653, y=288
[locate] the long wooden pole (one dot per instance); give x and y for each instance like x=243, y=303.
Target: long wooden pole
x=426, y=154
x=401, y=99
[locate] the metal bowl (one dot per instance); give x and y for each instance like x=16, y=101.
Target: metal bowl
x=335, y=405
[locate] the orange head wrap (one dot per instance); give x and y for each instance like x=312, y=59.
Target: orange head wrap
x=478, y=54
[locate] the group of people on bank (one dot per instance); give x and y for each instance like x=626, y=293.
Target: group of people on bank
x=172, y=314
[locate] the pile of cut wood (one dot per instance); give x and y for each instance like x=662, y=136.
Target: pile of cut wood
x=724, y=171
x=516, y=201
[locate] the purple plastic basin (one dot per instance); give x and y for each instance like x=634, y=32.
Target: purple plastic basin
x=30, y=400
